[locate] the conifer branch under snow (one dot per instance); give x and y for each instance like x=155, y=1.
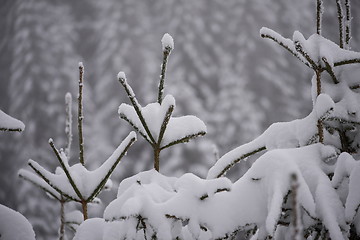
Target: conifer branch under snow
x=167, y=44
x=137, y=129
x=65, y=166
x=135, y=103
x=39, y=182
x=330, y=70
x=283, y=42
x=44, y=174
x=184, y=139
x=107, y=168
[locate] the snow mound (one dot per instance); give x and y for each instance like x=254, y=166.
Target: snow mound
x=14, y=226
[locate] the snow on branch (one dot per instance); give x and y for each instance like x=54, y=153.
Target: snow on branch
x=78, y=183
x=8, y=123
x=296, y=133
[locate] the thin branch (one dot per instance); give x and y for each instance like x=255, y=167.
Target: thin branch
x=104, y=180
x=66, y=170
x=184, y=139
x=80, y=113
x=123, y=116
x=348, y=24
x=38, y=172
x=11, y=129
x=349, y=61
x=319, y=12
x=282, y=44
x=340, y=19
x=136, y=105
x=301, y=50
x=165, y=123
x=330, y=70
x=23, y=176
x=166, y=53
x=68, y=124
x=239, y=159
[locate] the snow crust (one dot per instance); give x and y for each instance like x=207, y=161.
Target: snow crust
x=14, y=226
x=8, y=123
x=167, y=41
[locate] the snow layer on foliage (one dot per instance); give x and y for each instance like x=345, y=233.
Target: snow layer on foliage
x=14, y=226
x=318, y=47
x=35, y=179
x=8, y=123
x=154, y=115
x=85, y=180
x=296, y=133
x=193, y=208
x=345, y=93
x=167, y=41
x=91, y=229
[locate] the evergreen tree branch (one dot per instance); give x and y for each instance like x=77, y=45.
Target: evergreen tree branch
x=123, y=116
x=299, y=48
x=11, y=129
x=66, y=170
x=348, y=61
x=184, y=139
x=340, y=19
x=128, y=141
x=135, y=103
x=80, y=113
x=40, y=171
x=165, y=123
x=246, y=155
x=282, y=42
x=166, y=54
x=25, y=175
x=330, y=70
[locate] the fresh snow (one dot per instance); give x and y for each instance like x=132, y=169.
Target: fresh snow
x=167, y=41
x=14, y=226
x=8, y=123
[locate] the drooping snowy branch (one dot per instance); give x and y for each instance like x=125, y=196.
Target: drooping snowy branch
x=279, y=135
x=8, y=123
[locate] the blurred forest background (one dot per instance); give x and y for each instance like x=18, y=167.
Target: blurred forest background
x=220, y=70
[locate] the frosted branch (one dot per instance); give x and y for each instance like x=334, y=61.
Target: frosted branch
x=283, y=42
x=347, y=24
x=39, y=182
x=184, y=139
x=340, y=19
x=319, y=12
x=42, y=172
x=68, y=123
x=165, y=122
x=80, y=113
x=330, y=70
x=123, y=116
x=135, y=103
x=107, y=168
x=168, y=45
x=65, y=166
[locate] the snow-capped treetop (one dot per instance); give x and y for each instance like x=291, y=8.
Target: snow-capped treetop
x=81, y=65
x=167, y=42
x=8, y=123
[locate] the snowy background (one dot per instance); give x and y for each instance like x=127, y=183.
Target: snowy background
x=220, y=70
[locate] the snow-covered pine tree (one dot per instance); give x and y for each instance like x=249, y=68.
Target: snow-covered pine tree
x=75, y=183
x=303, y=186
